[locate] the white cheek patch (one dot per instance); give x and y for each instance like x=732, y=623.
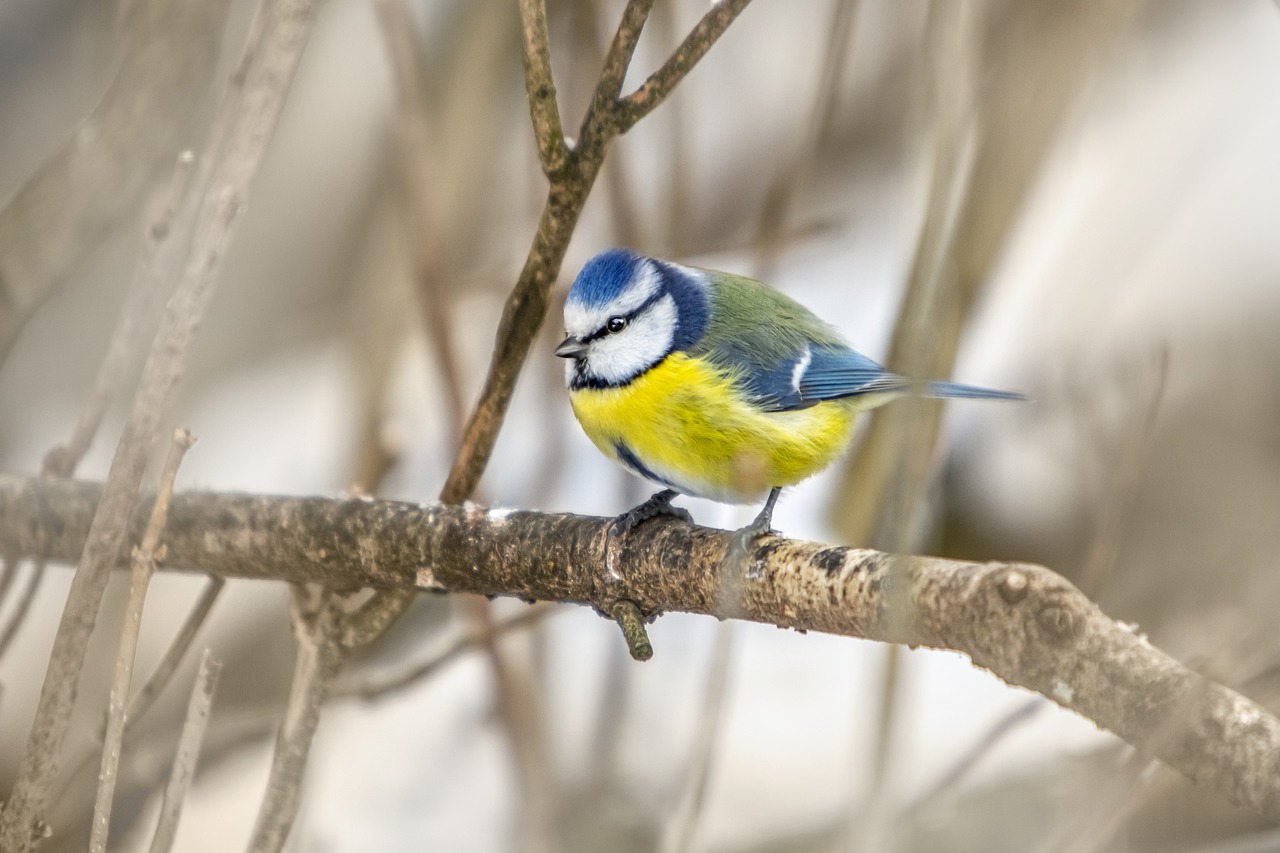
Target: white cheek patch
x=619, y=358
x=581, y=320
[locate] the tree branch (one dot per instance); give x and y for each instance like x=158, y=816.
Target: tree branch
x=1022, y=622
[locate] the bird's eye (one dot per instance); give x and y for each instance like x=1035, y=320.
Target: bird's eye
x=616, y=324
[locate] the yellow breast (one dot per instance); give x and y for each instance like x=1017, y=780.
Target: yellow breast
x=686, y=424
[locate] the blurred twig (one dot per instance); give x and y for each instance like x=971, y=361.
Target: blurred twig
x=145, y=698
x=184, y=764
x=374, y=688
x=771, y=230
x=152, y=283
x=317, y=626
x=1128, y=465
x=1094, y=822
x=1002, y=727
x=681, y=830
x=121, y=153
x=517, y=705
x=145, y=557
x=416, y=180
x=178, y=648
x=992, y=129
x=22, y=604
x=886, y=475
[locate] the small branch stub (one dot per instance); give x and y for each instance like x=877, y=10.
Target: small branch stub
x=631, y=621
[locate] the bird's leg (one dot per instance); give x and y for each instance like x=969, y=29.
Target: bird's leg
x=659, y=504
x=763, y=525
x=740, y=544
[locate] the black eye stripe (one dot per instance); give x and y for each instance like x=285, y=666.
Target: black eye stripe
x=628, y=317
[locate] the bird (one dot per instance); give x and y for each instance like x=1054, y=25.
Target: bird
x=715, y=385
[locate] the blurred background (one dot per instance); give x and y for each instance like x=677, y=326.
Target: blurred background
x=1078, y=199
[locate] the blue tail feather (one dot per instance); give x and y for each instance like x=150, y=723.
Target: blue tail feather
x=939, y=388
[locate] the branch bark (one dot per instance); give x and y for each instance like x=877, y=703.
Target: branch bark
x=1022, y=622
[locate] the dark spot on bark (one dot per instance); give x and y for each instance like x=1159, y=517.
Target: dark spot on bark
x=765, y=551
x=543, y=91
x=874, y=585
x=830, y=561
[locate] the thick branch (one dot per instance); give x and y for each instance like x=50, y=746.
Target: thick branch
x=1023, y=622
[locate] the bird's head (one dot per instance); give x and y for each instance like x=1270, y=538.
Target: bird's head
x=625, y=313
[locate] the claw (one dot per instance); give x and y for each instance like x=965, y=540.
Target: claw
x=659, y=504
x=761, y=526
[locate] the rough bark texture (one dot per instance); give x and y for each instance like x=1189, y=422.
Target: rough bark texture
x=1022, y=622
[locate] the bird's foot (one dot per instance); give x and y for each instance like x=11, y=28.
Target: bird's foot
x=659, y=504
x=744, y=538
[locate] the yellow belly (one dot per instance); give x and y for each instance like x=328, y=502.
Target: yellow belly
x=690, y=428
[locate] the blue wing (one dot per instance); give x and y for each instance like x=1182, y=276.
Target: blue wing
x=825, y=372
x=820, y=372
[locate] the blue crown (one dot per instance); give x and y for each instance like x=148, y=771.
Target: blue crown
x=604, y=277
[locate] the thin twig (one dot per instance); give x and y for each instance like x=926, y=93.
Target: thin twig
x=178, y=648
x=119, y=157
x=22, y=605
x=243, y=126
x=1002, y=727
x=518, y=708
x=1126, y=477
x=145, y=558
x=772, y=226
x=145, y=698
x=375, y=688
x=680, y=832
x=540, y=86
x=184, y=764
x=8, y=573
x=318, y=629
x=151, y=285
x=414, y=157
x=885, y=477
x=655, y=89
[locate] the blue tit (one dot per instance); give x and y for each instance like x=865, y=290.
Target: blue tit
x=715, y=385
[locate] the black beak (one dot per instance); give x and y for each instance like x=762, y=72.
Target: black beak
x=571, y=348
